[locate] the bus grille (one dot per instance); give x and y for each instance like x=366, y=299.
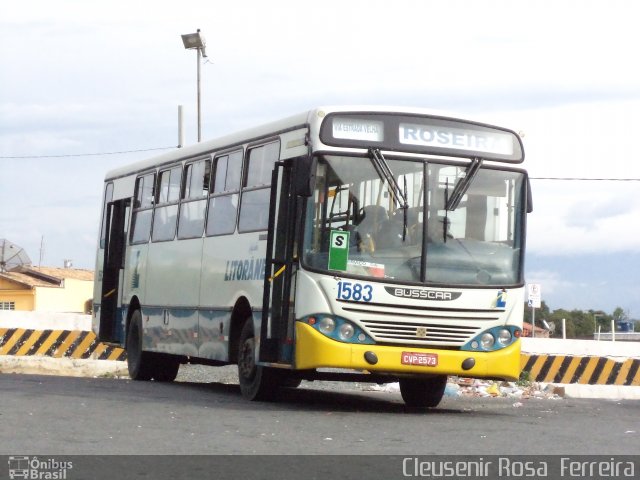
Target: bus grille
x=397, y=331
x=419, y=325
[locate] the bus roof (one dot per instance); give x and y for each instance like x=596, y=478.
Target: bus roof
x=210, y=145
x=271, y=128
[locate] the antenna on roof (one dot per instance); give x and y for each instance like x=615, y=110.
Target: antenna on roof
x=41, y=251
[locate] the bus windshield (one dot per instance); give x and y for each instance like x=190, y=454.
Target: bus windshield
x=404, y=233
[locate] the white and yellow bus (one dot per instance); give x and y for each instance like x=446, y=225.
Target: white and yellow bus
x=362, y=244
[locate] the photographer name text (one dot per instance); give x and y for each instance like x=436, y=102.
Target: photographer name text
x=512, y=468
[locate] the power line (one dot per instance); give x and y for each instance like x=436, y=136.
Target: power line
x=585, y=179
x=86, y=154
x=70, y=155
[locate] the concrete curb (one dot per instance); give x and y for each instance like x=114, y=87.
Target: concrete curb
x=610, y=392
x=62, y=366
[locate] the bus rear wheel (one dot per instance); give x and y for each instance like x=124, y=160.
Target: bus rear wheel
x=139, y=363
x=423, y=392
x=256, y=382
x=165, y=368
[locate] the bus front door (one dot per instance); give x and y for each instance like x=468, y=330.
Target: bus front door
x=279, y=288
x=113, y=265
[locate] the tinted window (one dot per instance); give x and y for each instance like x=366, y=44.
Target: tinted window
x=169, y=187
x=144, y=191
x=222, y=214
x=260, y=164
x=141, y=226
x=196, y=183
x=192, y=215
x=254, y=208
x=254, y=214
x=221, y=174
x=223, y=204
x=193, y=205
x=142, y=209
x=165, y=215
x=227, y=172
x=164, y=223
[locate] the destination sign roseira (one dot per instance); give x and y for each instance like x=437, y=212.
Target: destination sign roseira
x=423, y=134
x=456, y=138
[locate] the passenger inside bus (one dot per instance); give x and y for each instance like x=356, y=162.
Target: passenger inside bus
x=369, y=227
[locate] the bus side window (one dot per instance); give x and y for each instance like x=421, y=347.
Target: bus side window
x=165, y=214
x=142, y=209
x=225, y=185
x=194, y=202
x=108, y=196
x=254, y=208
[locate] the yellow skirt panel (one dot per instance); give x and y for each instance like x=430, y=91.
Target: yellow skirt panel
x=314, y=350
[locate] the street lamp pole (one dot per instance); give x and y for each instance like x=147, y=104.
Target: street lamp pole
x=196, y=41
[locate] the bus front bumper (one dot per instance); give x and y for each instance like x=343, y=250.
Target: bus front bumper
x=314, y=350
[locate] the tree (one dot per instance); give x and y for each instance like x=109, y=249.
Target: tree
x=580, y=323
x=570, y=329
x=541, y=313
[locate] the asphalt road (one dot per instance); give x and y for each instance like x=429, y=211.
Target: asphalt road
x=63, y=416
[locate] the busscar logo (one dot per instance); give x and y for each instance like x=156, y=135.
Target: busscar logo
x=35, y=468
x=423, y=294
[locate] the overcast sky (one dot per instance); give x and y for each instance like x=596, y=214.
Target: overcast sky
x=81, y=77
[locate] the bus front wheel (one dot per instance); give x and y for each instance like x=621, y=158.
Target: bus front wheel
x=256, y=382
x=423, y=392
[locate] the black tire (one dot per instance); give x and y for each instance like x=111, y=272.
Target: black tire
x=423, y=392
x=165, y=368
x=139, y=363
x=256, y=382
x=289, y=381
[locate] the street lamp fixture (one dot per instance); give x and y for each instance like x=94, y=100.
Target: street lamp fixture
x=195, y=41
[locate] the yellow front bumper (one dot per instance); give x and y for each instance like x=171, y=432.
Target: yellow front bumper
x=314, y=350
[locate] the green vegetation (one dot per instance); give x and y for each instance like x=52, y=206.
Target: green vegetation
x=579, y=323
x=525, y=379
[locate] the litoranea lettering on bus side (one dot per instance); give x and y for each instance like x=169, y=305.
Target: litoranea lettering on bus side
x=247, y=269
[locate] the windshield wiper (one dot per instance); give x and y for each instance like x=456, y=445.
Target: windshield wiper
x=384, y=172
x=463, y=185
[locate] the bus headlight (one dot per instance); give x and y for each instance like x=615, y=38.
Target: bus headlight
x=327, y=325
x=504, y=336
x=338, y=328
x=346, y=331
x=487, y=340
x=493, y=339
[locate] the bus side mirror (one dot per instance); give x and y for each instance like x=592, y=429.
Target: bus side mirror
x=305, y=176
